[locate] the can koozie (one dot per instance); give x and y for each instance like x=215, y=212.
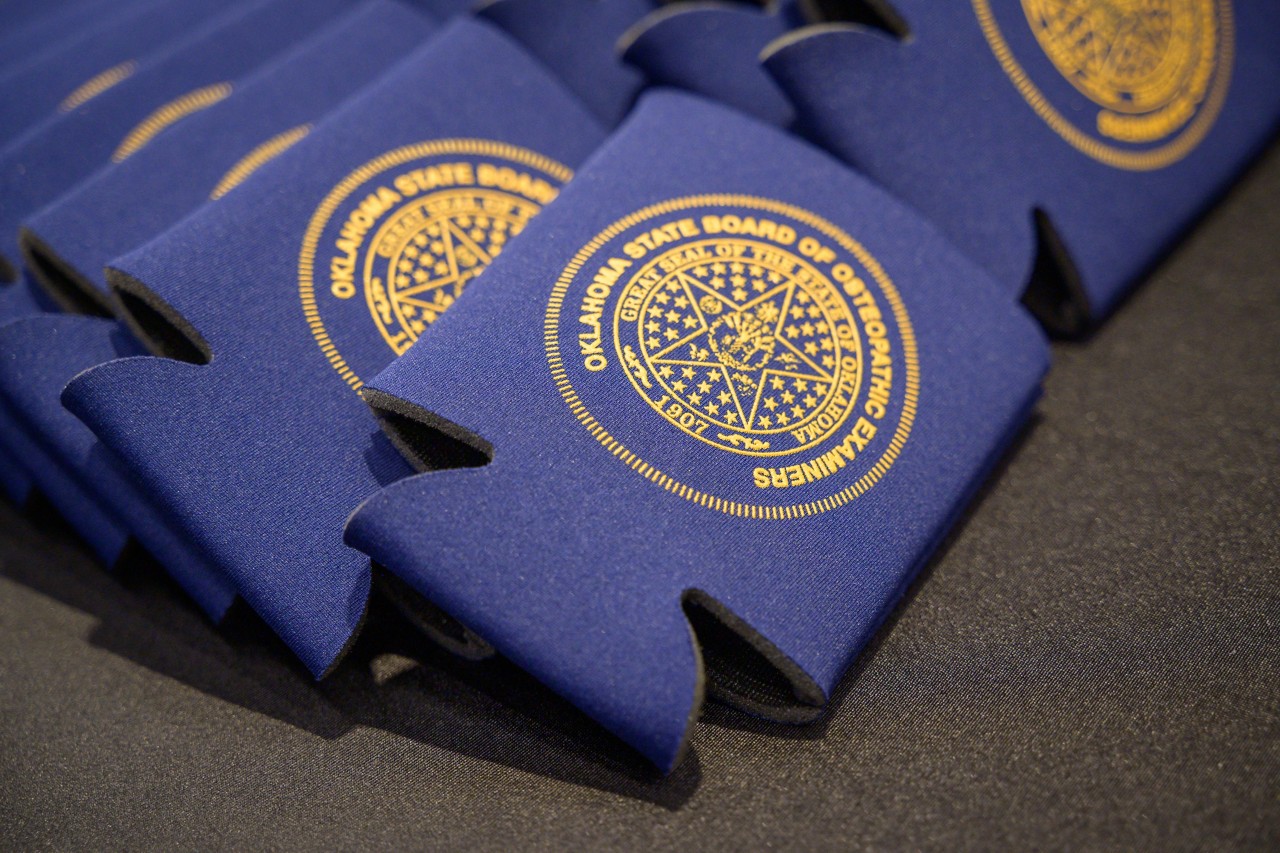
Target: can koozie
x=68, y=243
x=71, y=62
x=189, y=76
x=84, y=480
x=13, y=479
x=732, y=396
x=274, y=305
x=17, y=299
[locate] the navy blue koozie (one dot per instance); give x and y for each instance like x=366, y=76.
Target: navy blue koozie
x=204, y=158
x=84, y=480
x=33, y=33
x=68, y=243
x=18, y=445
x=189, y=76
x=14, y=481
x=60, y=75
x=1064, y=143
x=577, y=39
x=275, y=303
x=16, y=300
x=733, y=396
x=38, y=24
x=31, y=457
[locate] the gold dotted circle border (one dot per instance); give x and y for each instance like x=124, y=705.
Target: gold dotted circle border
x=340, y=193
x=735, y=508
x=1137, y=161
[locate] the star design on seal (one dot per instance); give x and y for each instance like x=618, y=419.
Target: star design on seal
x=752, y=347
x=435, y=264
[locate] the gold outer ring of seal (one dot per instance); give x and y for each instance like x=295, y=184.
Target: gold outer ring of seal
x=579, y=409
x=1137, y=161
x=340, y=193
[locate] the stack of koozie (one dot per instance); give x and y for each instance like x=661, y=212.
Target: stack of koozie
x=654, y=349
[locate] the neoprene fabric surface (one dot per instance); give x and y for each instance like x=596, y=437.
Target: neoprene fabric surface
x=1093, y=661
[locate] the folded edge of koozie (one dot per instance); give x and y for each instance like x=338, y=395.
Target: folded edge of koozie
x=80, y=477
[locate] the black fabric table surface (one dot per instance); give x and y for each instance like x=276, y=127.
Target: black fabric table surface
x=1091, y=662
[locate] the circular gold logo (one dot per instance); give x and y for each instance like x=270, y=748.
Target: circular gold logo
x=745, y=324
x=750, y=344
x=397, y=242
x=1153, y=74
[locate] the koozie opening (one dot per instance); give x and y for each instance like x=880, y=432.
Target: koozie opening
x=1054, y=294
x=426, y=617
x=429, y=443
x=746, y=671
x=156, y=324
x=60, y=280
x=878, y=14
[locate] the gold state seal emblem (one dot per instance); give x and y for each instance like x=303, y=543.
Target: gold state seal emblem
x=741, y=343
x=409, y=231
x=1157, y=70
x=745, y=324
